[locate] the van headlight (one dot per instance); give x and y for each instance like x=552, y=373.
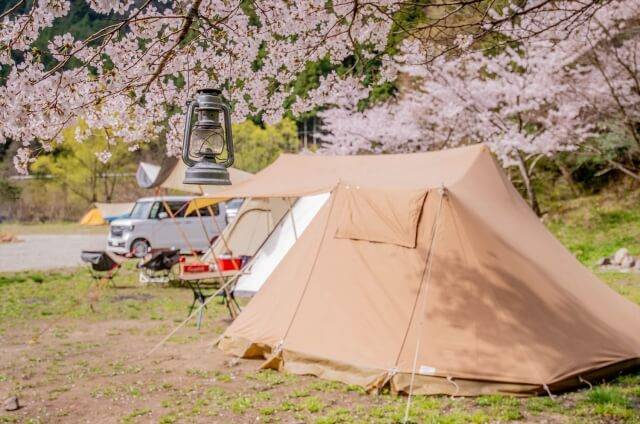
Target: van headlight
x=128, y=228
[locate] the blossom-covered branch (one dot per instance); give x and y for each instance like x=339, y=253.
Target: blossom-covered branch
x=552, y=92
x=134, y=76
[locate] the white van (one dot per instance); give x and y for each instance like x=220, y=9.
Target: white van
x=150, y=226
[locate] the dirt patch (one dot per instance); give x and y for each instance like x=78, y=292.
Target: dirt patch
x=99, y=372
x=9, y=238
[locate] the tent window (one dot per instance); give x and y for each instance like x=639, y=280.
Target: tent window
x=381, y=215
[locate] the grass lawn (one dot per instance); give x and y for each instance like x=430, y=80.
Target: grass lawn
x=90, y=364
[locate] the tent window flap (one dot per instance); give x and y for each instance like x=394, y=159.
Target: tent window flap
x=380, y=215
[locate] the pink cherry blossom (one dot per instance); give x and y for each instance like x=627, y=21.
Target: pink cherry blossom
x=550, y=93
x=134, y=76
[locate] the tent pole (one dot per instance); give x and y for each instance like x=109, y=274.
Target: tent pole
x=215, y=222
x=204, y=229
x=225, y=286
x=180, y=229
x=293, y=221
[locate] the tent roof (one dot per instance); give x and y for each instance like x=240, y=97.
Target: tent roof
x=319, y=174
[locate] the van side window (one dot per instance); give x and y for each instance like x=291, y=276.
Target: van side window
x=153, y=214
x=177, y=208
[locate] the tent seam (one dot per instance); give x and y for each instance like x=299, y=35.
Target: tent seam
x=315, y=261
x=415, y=303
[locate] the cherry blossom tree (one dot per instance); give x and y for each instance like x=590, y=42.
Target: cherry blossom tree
x=550, y=92
x=134, y=76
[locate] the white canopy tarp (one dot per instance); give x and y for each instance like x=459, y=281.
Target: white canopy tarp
x=279, y=243
x=146, y=174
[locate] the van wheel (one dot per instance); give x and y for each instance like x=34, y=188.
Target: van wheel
x=139, y=248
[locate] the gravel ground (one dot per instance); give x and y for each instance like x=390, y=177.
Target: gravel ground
x=46, y=251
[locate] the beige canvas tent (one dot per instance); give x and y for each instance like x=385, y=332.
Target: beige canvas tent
x=428, y=265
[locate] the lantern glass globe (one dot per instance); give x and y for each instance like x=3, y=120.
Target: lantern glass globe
x=207, y=140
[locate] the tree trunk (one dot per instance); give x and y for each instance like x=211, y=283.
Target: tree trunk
x=94, y=185
x=110, y=187
x=526, y=178
x=568, y=177
x=624, y=169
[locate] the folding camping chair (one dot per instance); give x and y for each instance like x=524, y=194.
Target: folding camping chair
x=158, y=265
x=103, y=266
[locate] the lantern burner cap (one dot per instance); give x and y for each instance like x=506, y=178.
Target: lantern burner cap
x=207, y=173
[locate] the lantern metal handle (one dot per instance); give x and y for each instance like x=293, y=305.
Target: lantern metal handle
x=191, y=105
x=227, y=134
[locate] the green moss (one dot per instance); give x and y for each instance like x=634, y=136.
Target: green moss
x=288, y=406
x=300, y=393
x=131, y=418
x=505, y=408
x=271, y=377
x=536, y=405
x=168, y=419
x=312, y=404
x=268, y=411
x=337, y=416
x=607, y=395
x=241, y=404
x=326, y=386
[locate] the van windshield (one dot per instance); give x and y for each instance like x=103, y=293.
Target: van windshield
x=141, y=210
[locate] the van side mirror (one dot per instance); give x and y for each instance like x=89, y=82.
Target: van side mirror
x=163, y=215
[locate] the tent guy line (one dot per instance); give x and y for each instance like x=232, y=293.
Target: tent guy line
x=443, y=193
